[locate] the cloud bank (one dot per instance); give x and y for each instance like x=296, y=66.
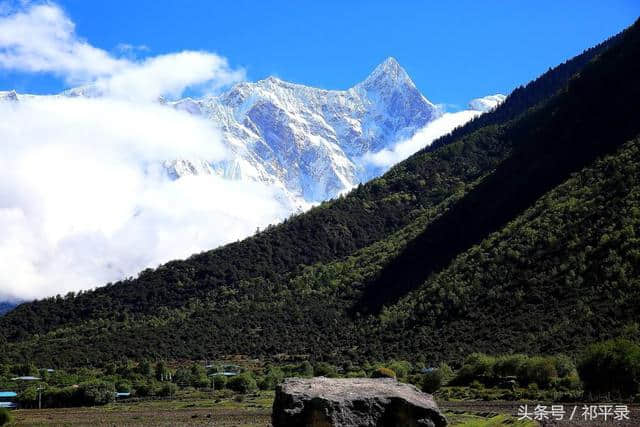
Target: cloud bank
x=84, y=199
x=384, y=159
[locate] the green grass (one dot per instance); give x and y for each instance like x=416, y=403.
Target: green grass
x=472, y=420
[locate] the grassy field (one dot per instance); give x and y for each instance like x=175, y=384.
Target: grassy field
x=190, y=409
x=221, y=409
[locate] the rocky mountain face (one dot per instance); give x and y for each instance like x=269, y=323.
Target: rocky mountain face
x=309, y=142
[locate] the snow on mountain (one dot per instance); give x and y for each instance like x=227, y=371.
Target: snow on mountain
x=308, y=142
x=486, y=103
x=8, y=95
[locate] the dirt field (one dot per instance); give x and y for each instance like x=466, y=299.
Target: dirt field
x=252, y=411
x=255, y=410
x=143, y=417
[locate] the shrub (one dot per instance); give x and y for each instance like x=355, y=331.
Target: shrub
x=446, y=372
x=306, y=369
x=168, y=390
x=195, y=376
x=564, y=366
x=540, y=370
x=219, y=382
x=570, y=382
x=28, y=397
x=5, y=416
x=383, y=373
x=123, y=386
x=323, y=369
x=144, y=368
x=243, y=383
x=61, y=397
x=611, y=366
x=476, y=366
x=183, y=376
x=96, y=393
x=400, y=367
x=144, y=388
x=273, y=377
x=200, y=382
x=356, y=374
x=510, y=365
x=432, y=381
x=477, y=385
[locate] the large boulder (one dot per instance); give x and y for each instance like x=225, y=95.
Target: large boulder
x=381, y=402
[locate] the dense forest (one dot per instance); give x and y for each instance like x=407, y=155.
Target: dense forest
x=5, y=307
x=517, y=232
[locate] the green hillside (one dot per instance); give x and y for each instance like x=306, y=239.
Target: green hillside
x=517, y=232
x=562, y=274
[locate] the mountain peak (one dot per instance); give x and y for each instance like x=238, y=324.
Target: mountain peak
x=390, y=65
x=388, y=72
x=272, y=80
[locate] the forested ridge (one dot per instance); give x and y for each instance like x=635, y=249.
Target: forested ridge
x=491, y=240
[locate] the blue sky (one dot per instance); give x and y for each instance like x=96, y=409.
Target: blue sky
x=454, y=51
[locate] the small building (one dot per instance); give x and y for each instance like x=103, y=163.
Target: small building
x=8, y=399
x=122, y=395
x=26, y=378
x=227, y=371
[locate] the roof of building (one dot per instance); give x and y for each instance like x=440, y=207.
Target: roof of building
x=224, y=374
x=8, y=394
x=26, y=378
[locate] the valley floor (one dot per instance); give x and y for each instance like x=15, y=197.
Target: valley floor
x=254, y=410
x=251, y=411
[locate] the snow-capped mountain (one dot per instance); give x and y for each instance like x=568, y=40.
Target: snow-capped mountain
x=307, y=141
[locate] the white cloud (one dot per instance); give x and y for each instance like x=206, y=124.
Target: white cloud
x=42, y=38
x=127, y=47
x=84, y=201
x=382, y=160
x=83, y=198
x=169, y=75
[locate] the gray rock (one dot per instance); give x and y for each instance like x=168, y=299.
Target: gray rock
x=369, y=402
